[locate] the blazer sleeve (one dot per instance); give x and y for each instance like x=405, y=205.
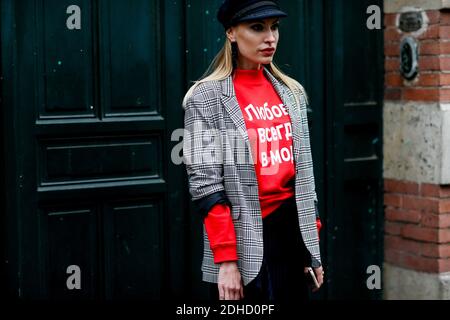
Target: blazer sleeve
x=302, y=94
x=202, y=150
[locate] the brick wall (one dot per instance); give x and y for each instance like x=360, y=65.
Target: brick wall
x=433, y=82
x=417, y=215
x=417, y=226
x=416, y=150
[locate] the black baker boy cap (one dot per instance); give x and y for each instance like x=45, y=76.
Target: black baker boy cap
x=232, y=12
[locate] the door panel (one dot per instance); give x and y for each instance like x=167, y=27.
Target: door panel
x=110, y=158
x=59, y=247
x=133, y=247
x=131, y=57
x=64, y=88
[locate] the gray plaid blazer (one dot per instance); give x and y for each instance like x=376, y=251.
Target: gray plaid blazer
x=218, y=157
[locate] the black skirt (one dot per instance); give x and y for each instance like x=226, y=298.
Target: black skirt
x=281, y=277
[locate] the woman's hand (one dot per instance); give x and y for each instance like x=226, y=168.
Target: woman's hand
x=319, y=275
x=229, y=282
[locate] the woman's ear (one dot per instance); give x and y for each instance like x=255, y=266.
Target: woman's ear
x=230, y=35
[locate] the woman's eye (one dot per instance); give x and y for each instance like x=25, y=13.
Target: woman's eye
x=257, y=27
x=276, y=26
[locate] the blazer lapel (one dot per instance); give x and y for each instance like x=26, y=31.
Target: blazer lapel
x=233, y=109
x=290, y=104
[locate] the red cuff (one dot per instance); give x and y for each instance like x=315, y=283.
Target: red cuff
x=319, y=226
x=221, y=234
x=225, y=253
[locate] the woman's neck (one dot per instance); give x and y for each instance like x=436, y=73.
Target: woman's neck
x=247, y=65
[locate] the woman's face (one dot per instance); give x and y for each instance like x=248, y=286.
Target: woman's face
x=257, y=42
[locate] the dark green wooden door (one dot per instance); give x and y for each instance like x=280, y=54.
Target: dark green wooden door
x=89, y=119
x=354, y=201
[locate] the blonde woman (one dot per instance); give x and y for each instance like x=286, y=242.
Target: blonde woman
x=248, y=159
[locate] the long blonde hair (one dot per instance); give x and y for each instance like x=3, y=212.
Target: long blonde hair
x=222, y=67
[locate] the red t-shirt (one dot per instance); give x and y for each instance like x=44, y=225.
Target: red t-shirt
x=270, y=134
